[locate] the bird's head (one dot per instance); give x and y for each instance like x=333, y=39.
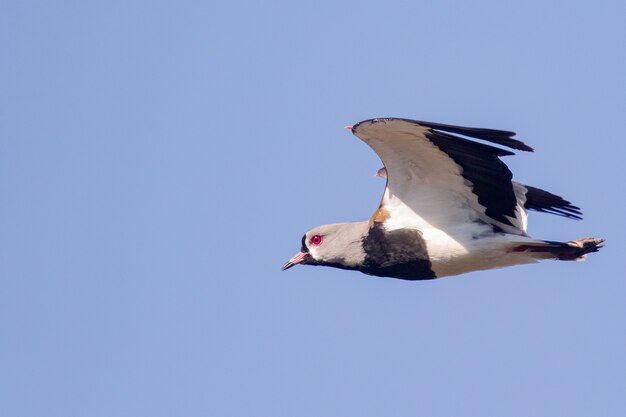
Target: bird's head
x=338, y=245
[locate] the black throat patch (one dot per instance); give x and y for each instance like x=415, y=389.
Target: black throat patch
x=397, y=254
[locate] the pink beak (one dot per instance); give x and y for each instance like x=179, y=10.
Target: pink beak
x=299, y=258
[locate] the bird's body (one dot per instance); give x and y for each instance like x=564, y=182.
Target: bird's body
x=449, y=207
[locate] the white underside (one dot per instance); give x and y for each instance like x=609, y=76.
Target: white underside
x=453, y=255
x=467, y=247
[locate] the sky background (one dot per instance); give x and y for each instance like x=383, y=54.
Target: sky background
x=160, y=161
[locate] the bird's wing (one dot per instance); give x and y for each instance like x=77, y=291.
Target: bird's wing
x=545, y=202
x=437, y=178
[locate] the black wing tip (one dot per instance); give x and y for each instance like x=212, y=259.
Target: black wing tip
x=501, y=137
x=570, y=214
x=546, y=202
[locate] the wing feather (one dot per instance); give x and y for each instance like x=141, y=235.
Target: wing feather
x=438, y=179
x=501, y=137
x=543, y=201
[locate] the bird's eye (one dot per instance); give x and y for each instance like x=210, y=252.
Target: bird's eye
x=315, y=240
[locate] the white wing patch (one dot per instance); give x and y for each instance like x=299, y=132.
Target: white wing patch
x=425, y=188
x=521, y=220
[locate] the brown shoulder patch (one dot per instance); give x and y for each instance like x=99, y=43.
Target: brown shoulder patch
x=380, y=215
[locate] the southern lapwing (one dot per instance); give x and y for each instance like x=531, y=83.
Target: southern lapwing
x=449, y=207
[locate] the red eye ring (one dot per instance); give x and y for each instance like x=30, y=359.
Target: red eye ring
x=316, y=240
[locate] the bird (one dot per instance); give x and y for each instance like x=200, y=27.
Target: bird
x=449, y=207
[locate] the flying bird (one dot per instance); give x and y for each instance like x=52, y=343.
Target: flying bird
x=449, y=207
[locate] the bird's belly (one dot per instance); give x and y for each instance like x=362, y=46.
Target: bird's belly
x=458, y=254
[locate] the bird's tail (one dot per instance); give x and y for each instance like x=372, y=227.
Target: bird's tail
x=574, y=250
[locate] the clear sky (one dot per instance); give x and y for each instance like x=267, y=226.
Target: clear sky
x=160, y=161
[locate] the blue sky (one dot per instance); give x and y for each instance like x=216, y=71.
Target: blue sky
x=159, y=162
